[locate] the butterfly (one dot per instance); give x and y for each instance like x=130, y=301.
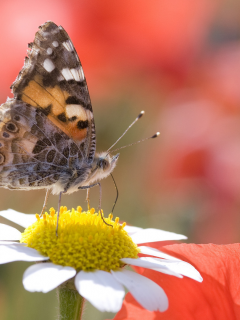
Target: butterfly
x=47, y=131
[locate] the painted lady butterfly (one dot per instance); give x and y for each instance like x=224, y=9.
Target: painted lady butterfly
x=47, y=131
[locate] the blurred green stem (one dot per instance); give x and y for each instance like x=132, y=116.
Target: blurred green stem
x=70, y=302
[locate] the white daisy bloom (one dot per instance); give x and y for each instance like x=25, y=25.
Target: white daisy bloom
x=91, y=253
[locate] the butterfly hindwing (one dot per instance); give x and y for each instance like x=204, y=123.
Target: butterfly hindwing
x=53, y=81
x=34, y=153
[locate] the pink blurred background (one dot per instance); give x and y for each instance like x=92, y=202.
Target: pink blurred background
x=180, y=62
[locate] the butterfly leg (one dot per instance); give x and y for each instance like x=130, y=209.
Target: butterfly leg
x=88, y=199
x=45, y=201
x=100, y=198
x=59, y=204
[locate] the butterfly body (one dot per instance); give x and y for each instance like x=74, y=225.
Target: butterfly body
x=47, y=131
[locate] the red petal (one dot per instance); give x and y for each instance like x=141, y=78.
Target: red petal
x=217, y=297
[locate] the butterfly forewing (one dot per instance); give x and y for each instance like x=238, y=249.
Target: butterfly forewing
x=52, y=79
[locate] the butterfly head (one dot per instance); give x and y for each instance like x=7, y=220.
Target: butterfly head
x=103, y=165
x=105, y=162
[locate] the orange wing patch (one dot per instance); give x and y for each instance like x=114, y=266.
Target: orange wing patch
x=72, y=119
x=37, y=95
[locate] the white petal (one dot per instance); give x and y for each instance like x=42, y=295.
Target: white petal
x=182, y=267
x=152, y=263
x=101, y=289
x=153, y=235
x=186, y=269
x=9, y=233
x=131, y=230
x=17, y=252
x=21, y=219
x=145, y=291
x=44, y=277
x=155, y=252
x=9, y=242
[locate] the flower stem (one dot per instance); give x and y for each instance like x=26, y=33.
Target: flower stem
x=70, y=302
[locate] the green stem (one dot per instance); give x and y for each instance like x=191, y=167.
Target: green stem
x=70, y=302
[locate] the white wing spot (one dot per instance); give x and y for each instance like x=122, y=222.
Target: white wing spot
x=68, y=45
x=79, y=111
x=75, y=74
x=55, y=44
x=76, y=110
x=89, y=114
x=49, y=51
x=67, y=74
x=82, y=77
x=48, y=65
x=78, y=74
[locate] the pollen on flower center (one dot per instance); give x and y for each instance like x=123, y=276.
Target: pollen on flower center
x=84, y=242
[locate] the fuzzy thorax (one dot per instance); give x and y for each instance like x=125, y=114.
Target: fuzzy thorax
x=101, y=167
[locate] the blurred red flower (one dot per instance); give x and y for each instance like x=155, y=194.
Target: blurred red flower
x=114, y=40
x=200, y=143
x=217, y=297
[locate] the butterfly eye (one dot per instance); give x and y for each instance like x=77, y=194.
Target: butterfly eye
x=103, y=163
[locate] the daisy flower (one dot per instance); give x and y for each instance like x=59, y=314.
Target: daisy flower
x=90, y=257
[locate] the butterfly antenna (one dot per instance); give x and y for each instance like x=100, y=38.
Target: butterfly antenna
x=131, y=144
x=138, y=117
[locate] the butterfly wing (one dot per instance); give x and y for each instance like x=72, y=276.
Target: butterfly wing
x=34, y=153
x=52, y=79
x=47, y=132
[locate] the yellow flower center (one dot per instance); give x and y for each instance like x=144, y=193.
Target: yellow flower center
x=84, y=241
